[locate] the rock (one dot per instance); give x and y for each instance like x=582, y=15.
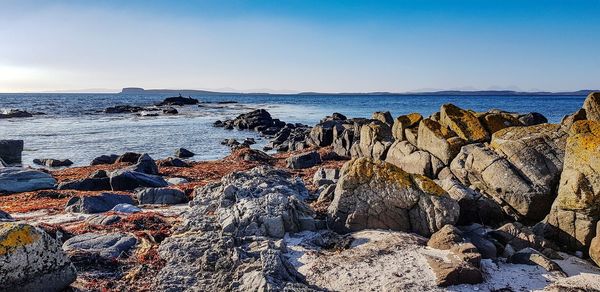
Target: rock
x=178, y=100
x=110, y=246
x=464, y=123
x=575, y=211
x=255, y=155
x=5, y=216
x=532, y=119
x=184, y=153
x=454, y=272
x=568, y=121
x=124, y=179
x=325, y=176
x=253, y=119
x=161, y=196
x=53, y=162
x=11, y=151
x=591, y=105
x=101, y=219
x=520, y=236
x=126, y=208
x=375, y=139
x=410, y=159
x=170, y=111
x=346, y=135
x=239, y=217
x=438, y=140
x=496, y=121
x=411, y=135
x=304, y=160
x=595, y=246
x=18, y=180
x=15, y=113
x=404, y=122
x=128, y=157
x=326, y=193
x=177, y=181
x=321, y=135
x=445, y=238
x=530, y=256
x=120, y=109
x=520, y=169
x=105, y=159
x=32, y=260
x=99, y=174
x=474, y=207
x=87, y=184
x=384, y=117
x=145, y=164
x=172, y=162
x=96, y=204
x=376, y=194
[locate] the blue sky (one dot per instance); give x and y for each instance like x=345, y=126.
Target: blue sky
x=281, y=46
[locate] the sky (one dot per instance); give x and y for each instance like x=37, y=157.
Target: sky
x=299, y=45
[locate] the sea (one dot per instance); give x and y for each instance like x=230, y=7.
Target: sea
x=74, y=126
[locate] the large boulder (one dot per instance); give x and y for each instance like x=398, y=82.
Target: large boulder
x=178, y=100
x=464, y=123
x=110, y=246
x=240, y=217
x=404, y=122
x=495, y=121
x=591, y=105
x=375, y=139
x=377, y=194
x=384, y=117
x=438, y=140
x=303, y=160
x=344, y=137
x=128, y=157
x=124, y=179
x=161, y=196
x=11, y=151
x=96, y=204
x=17, y=180
x=577, y=207
x=87, y=184
x=321, y=135
x=412, y=160
x=32, y=260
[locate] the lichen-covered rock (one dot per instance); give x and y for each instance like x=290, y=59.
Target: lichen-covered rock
x=412, y=160
x=591, y=105
x=377, y=194
x=496, y=121
x=438, y=140
x=404, y=122
x=32, y=260
x=17, y=180
x=569, y=120
x=577, y=207
x=227, y=241
x=375, y=139
x=464, y=123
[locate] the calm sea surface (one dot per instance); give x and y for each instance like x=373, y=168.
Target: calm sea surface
x=72, y=128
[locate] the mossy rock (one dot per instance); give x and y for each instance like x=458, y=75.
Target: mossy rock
x=464, y=123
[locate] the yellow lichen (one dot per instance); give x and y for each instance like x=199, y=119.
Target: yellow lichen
x=13, y=236
x=427, y=185
x=465, y=124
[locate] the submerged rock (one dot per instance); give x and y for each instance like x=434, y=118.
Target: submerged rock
x=32, y=260
x=15, y=113
x=377, y=194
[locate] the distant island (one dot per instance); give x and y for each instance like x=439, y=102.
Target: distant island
x=139, y=90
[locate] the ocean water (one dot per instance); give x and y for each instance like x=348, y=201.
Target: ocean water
x=73, y=128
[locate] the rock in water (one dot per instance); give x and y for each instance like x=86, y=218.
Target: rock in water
x=178, y=100
x=17, y=180
x=591, y=105
x=53, y=162
x=376, y=194
x=96, y=204
x=105, y=159
x=184, y=153
x=241, y=217
x=576, y=210
x=11, y=150
x=110, y=246
x=32, y=260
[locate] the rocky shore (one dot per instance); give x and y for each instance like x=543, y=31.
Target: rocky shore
x=457, y=201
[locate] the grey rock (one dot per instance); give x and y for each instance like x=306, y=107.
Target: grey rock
x=5, y=216
x=111, y=246
x=438, y=140
x=410, y=159
x=326, y=193
x=324, y=176
x=384, y=117
x=532, y=119
x=53, y=162
x=304, y=160
x=87, y=184
x=530, y=256
x=124, y=179
x=11, y=151
x=96, y=204
x=105, y=159
x=173, y=181
x=145, y=164
x=101, y=219
x=173, y=162
x=184, y=153
x=126, y=208
x=38, y=264
x=591, y=105
x=17, y=180
x=161, y=196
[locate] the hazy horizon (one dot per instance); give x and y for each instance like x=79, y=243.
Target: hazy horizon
x=297, y=46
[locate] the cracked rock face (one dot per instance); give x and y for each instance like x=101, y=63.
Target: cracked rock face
x=520, y=169
x=32, y=260
x=229, y=240
x=377, y=194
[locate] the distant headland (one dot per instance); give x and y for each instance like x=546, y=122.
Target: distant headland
x=139, y=90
